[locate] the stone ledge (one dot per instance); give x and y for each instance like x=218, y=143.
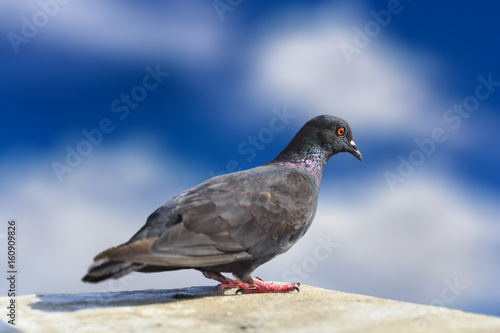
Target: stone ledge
x=195, y=308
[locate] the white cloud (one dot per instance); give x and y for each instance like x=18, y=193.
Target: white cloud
x=383, y=87
x=180, y=32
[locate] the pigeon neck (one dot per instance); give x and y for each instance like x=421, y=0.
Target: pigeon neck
x=309, y=159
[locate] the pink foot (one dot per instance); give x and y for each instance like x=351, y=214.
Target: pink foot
x=258, y=286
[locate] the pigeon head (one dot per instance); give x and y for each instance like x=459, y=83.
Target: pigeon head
x=327, y=134
x=333, y=134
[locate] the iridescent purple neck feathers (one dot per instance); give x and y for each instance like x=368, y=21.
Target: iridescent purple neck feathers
x=310, y=161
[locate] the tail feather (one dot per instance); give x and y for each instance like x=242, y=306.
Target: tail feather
x=104, y=269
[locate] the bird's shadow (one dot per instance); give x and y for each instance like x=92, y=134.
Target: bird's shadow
x=75, y=302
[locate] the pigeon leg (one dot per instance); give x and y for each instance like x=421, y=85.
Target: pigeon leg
x=225, y=283
x=262, y=287
x=258, y=286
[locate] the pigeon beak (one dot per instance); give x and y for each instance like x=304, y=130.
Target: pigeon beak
x=354, y=150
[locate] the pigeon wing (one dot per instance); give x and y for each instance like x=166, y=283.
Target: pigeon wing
x=250, y=215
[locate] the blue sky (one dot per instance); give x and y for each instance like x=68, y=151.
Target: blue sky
x=256, y=73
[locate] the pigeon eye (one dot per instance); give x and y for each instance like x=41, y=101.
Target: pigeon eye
x=340, y=131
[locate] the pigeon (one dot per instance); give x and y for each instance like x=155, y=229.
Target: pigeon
x=236, y=222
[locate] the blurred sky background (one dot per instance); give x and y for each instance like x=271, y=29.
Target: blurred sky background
x=432, y=238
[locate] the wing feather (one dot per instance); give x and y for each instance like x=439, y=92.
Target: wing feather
x=249, y=215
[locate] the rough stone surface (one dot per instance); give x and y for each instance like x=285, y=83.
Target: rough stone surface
x=206, y=308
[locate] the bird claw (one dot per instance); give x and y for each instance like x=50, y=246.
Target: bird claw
x=257, y=287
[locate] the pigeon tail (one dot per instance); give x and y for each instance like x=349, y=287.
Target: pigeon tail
x=104, y=269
